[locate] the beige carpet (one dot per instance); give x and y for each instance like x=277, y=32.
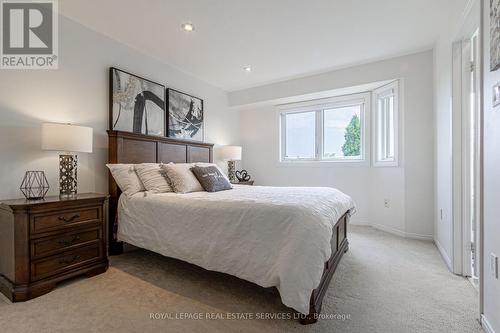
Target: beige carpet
x=383, y=284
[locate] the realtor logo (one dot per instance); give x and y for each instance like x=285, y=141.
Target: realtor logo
x=29, y=34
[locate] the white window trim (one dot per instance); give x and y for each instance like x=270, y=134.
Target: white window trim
x=318, y=106
x=389, y=89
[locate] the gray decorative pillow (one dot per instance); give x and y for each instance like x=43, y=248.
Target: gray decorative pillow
x=211, y=178
x=205, y=164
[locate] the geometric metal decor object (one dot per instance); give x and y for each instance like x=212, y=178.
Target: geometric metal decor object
x=68, y=175
x=231, y=171
x=35, y=185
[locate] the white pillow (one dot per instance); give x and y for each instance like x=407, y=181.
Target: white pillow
x=182, y=178
x=126, y=178
x=153, y=177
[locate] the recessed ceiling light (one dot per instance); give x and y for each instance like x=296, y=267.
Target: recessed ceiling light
x=187, y=26
x=247, y=69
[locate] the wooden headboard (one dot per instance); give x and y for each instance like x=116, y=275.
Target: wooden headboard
x=125, y=147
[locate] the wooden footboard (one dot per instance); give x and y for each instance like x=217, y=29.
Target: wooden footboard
x=340, y=245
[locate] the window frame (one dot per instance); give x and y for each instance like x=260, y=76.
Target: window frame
x=283, y=136
x=318, y=106
x=390, y=89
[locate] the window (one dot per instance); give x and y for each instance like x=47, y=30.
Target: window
x=343, y=129
x=325, y=130
x=342, y=132
x=300, y=135
x=386, y=125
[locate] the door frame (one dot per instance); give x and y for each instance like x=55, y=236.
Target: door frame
x=460, y=235
x=457, y=158
x=471, y=46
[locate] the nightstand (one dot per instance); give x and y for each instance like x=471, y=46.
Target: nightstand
x=250, y=182
x=47, y=241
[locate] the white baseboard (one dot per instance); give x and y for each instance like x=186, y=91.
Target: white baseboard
x=486, y=325
x=444, y=255
x=365, y=222
x=401, y=233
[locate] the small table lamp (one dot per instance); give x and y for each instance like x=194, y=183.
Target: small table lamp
x=231, y=154
x=67, y=138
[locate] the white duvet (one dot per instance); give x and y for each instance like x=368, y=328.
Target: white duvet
x=272, y=236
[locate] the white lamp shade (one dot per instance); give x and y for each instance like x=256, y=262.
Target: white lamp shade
x=231, y=153
x=66, y=138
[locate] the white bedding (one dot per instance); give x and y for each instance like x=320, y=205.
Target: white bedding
x=272, y=236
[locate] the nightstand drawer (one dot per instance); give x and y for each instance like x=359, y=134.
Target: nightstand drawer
x=71, y=259
x=63, y=219
x=51, y=245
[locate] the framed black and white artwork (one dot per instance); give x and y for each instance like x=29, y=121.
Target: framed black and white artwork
x=136, y=104
x=185, y=116
x=496, y=95
x=494, y=35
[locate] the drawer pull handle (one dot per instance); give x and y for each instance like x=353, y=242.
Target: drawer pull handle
x=71, y=219
x=70, y=261
x=68, y=243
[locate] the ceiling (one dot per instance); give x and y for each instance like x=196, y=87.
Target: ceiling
x=279, y=39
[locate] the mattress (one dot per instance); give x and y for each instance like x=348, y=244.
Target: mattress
x=272, y=236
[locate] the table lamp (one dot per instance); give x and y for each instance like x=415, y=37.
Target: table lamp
x=231, y=154
x=67, y=139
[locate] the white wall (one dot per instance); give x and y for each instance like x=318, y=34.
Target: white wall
x=78, y=93
x=408, y=187
x=491, y=183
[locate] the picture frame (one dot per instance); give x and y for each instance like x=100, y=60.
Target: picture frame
x=496, y=95
x=136, y=104
x=494, y=35
x=185, y=116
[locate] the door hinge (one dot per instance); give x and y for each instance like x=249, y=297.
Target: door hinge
x=472, y=66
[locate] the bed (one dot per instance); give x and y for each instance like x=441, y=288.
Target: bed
x=283, y=237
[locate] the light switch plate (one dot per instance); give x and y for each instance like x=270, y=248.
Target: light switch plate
x=494, y=265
